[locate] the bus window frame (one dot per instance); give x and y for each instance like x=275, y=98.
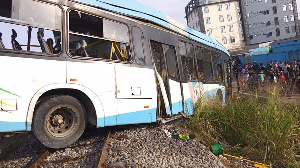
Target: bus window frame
x=10, y=20
x=143, y=46
x=184, y=76
x=177, y=77
x=99, y=15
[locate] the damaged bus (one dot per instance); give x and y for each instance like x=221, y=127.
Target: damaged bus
x=69, y=64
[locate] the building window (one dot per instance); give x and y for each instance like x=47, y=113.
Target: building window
x=291, y=7
x=286, y=19
x=269, y=34
x=268, y=23
x=276, y=21
x=274, y=9
x=206, y=10
x=221, y=18
x=219, y=7
x=224, y=40
x=231, y=28
x=292, y=18
x=207, y=20
x=209, y=32
x=273, y=1
x=287, y=30
x=293, y=29
x=284, y=8
x=223, y=29
x=277, y=32
x=232, y=40
x=251, y=37
x=227, y=6
x=229, y=17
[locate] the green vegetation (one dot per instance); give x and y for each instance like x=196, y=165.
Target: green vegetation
x=261, y=129
x=11, y=144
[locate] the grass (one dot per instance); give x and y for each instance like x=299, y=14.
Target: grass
x=11, y=144
x=262, y=129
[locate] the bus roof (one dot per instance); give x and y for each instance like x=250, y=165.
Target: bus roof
x=138, y=10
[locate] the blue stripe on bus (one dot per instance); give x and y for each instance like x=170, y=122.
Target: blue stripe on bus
x=145, y=116
x=177, y=107
x=28, y=128
x=108, y=121
x=6, y=126
x=188, y=106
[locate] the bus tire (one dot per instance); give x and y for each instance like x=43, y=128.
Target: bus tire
x=59, y=121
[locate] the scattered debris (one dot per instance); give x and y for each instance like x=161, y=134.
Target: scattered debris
x=218, y=150
x=175, y=133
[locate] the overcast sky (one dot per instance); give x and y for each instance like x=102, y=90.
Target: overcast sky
x=172, y=8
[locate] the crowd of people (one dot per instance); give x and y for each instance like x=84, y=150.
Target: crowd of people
x=257, y=75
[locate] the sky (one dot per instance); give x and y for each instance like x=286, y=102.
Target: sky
x=173, y=8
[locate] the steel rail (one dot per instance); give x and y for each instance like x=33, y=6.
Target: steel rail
x=102, y=158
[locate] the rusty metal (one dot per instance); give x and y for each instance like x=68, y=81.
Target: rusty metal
x=39, y=159
x=101, y=163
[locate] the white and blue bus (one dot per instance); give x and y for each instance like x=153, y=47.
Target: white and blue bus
x=69, y=64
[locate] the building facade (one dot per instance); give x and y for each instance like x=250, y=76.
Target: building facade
x=269, y=20
x=218, y=18
x=240, y=23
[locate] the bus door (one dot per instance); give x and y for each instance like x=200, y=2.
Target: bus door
x=190, y=85
x=173, y=79
x=135, y=86
x=201, y=68
x=163, y=89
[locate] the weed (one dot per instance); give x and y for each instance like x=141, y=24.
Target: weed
x=11, y=144
x=265, y=129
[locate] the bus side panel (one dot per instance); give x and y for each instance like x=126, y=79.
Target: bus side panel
x=20, y=79
x=94, y=98
x=99, y=77
x=211, y=91
x=136, y=94
x=198, y=91
x=133, y=111
x=188, y=102
x=176, y=97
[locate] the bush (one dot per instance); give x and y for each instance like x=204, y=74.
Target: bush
x=267, y=127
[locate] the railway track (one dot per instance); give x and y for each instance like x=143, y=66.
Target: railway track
x=89, y=151
x=143, y=145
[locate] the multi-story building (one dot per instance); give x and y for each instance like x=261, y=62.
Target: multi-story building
x=298, y=8
x=221, y=19
x=235, y=23
x=269, y=20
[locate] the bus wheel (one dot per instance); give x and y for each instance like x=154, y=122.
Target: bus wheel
x=59, y=121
